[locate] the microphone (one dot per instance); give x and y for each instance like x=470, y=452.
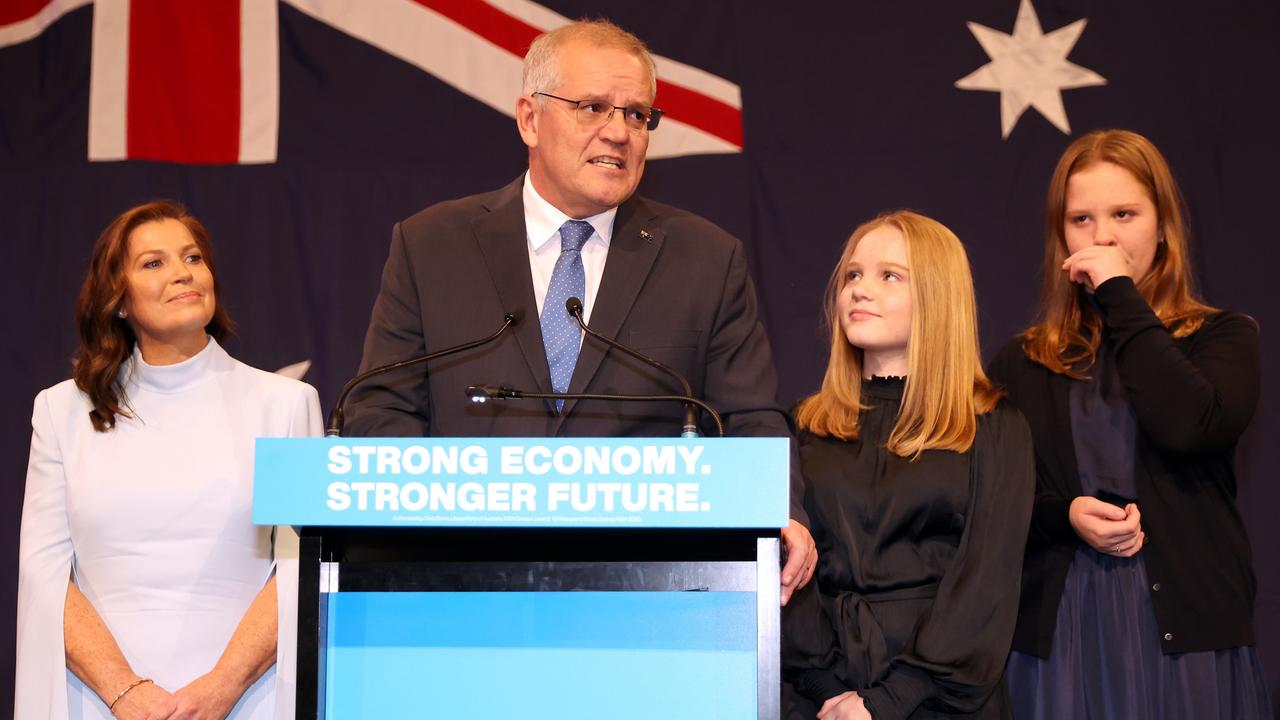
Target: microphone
x=689, y=427
x=336, y=418
x=481, y=394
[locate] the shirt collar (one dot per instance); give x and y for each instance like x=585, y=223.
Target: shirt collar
x=176, y=377
x=542, y=220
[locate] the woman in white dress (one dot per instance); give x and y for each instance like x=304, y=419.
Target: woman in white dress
x=145, y=591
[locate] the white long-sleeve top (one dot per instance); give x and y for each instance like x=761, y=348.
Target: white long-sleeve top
x=152, y=521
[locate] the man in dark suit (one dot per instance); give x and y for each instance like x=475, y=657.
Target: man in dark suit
x=659, y=279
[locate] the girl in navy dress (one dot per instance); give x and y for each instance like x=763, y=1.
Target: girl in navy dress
x=1138, y=587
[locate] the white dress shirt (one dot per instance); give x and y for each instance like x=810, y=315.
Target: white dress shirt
x=542, y=223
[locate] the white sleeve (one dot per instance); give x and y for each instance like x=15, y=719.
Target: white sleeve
x=44, y=569
x=305, y=422
x=306, y=414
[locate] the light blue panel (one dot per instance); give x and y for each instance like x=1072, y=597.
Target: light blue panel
x=650, y=620
x=541, y=684
x=542, y=655
x=523, y=482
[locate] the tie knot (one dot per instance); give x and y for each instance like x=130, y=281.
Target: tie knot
x=573, y=235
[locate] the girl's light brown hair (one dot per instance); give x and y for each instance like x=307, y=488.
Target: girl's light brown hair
x=1065, y=337
x=106, y=340
x=946, y=388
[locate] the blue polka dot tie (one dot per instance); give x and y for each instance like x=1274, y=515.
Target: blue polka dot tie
x=560, y=333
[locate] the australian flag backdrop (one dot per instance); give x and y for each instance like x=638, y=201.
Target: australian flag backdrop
x=299, y=131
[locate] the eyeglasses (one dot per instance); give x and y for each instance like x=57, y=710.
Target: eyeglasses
x=594, y=113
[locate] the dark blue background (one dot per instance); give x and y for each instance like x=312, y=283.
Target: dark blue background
x=849, y=109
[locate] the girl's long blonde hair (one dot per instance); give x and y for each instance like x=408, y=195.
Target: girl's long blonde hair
x=946, y=388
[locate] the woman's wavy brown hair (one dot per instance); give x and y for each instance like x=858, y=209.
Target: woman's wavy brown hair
x=1064, y=337
x=106, y=340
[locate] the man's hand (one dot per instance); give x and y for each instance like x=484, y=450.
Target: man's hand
x=802, y=558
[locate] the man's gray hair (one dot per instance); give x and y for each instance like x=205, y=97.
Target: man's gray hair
x=541, y=73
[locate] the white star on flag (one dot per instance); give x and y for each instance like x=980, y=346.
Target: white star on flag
x=1029, y=68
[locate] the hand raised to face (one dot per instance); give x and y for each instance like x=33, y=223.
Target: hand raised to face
x=1097, y=264
x=1111, y=226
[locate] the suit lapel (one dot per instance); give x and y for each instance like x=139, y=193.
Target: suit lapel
x=636, y=241
x=503, y=241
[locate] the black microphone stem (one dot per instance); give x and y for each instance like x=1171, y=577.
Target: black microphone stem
x=336, y=418
x=690, y=421
x=485, y=393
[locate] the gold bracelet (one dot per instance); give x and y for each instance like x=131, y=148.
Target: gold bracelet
x=112, y=707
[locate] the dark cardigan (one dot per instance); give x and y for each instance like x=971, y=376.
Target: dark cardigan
x=1193, y=397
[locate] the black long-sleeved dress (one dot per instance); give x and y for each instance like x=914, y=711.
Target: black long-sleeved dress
x=916, y=591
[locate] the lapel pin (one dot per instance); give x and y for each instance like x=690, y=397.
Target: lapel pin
x=645, y=234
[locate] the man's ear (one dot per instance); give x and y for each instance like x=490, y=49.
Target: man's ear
x=527, y=120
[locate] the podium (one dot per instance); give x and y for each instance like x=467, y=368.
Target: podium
x=533, y=577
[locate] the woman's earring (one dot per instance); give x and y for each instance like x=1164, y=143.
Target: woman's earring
x=122, y=313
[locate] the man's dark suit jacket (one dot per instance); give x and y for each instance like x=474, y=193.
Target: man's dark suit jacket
x=674, y=287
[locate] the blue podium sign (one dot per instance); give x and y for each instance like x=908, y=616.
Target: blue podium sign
x=523, y=482
x=542, y=655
